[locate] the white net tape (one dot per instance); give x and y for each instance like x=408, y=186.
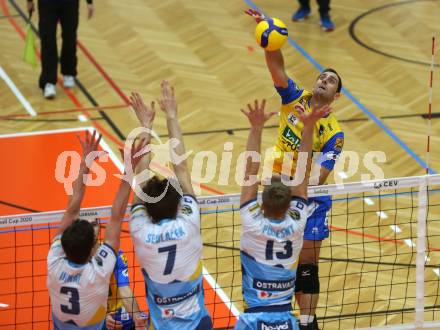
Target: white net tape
x=376, y=186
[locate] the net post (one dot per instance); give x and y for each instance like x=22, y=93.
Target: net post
x=421, y=252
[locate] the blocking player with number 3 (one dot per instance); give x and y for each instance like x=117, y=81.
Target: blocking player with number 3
x=272, y=234
x=78, y=274
x=165, y=229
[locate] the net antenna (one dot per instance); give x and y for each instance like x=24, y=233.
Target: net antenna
x=422, y=215
x=431, y=77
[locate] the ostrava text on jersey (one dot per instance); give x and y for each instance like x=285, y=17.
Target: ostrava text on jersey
x=79, y=293
x=269, y=255
x=169, y=253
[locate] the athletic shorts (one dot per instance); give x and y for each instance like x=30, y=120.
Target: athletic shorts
x=123, y=317
x=266, y=321
x=317, y=222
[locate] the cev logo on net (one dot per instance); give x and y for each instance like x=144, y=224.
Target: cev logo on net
x=206, y=166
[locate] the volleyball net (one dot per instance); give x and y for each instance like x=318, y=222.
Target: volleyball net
x=380, y=267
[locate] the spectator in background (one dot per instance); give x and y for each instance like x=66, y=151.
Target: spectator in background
x=324, y=9
x=67, y=13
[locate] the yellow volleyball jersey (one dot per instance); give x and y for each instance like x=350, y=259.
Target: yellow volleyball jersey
x=118, y=279
x=328, y=137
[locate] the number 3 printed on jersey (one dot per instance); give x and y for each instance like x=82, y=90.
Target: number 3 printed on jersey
x=286, y=254
x=74, y=307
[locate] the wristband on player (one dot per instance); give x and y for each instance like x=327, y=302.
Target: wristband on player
x=143, y=315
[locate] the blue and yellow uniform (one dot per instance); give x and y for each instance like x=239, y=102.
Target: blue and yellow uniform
x=118, y=280
x=328, y=139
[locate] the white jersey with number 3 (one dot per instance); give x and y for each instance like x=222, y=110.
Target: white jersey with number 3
x=78, y=293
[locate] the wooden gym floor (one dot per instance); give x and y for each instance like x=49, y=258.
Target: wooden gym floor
x=207, y=50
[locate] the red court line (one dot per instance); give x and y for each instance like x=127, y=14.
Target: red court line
x=103, y=72
x=378, y=238
x=63, y=111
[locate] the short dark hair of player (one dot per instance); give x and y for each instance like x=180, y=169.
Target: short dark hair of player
x=166, y=208
x=339, y=78
x=276, y=198
x=78, y=241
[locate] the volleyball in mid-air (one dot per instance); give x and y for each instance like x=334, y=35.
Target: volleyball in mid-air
x=271, y=34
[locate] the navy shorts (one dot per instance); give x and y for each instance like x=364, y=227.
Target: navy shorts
x=317, y=222
x=123, y=317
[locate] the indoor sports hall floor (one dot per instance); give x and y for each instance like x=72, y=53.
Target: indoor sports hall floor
x=381, y=48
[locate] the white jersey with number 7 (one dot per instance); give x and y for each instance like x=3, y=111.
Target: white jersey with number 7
x=170, y=256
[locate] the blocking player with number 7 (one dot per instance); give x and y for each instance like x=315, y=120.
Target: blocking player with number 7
x=165, y=229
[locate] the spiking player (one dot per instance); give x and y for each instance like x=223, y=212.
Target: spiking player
x=78, y=274
x=166, y=236
x=123, y=312
x=327, y=139
x=272, y=234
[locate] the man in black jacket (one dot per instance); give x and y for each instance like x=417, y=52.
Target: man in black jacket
x=67, y=13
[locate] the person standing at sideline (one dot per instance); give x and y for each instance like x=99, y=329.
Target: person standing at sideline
x=67, y=13
x=324, y=9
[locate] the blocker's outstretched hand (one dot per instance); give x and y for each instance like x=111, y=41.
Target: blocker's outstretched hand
x=144, y=113
x=167, y=102
x=312, y=117
x=89, y=144
x=256, y=114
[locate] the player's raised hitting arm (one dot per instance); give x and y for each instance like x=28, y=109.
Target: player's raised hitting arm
x=113, y=229
x=132, y=307
x=145, y=115
x=257, y=118
x=274, y=59
x=89, y=144
x=309, y=120
x=168, y=104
